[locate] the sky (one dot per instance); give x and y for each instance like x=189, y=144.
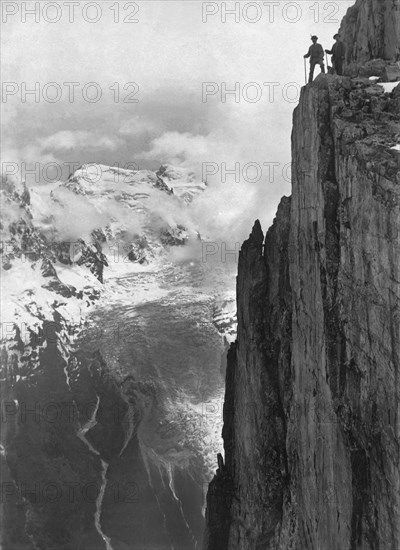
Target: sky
x=144, y=83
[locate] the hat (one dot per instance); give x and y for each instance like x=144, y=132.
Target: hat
x=313, y=36
x=336, y=35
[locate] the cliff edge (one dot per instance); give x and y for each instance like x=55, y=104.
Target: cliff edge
x=311, y=414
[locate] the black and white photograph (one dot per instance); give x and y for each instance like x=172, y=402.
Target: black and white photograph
x=200, y=275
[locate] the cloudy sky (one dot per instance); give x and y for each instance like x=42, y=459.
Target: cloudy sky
x=141, y=84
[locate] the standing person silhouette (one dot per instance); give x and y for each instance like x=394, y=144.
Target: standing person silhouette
x=338, y=53
x=316, y=55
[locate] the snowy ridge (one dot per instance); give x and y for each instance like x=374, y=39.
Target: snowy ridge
x=40, y=263
x=181, y=182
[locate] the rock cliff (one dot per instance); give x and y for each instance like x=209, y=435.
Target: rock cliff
x=311, y=413
x=371, y=30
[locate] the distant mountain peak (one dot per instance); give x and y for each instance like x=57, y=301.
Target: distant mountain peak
x=181, y=181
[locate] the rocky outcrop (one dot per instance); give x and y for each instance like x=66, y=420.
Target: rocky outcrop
x=311, y=416
x=255, y=469
x=371, y=30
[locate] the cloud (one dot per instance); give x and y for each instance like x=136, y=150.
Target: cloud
x=63, y=215
x=67, y=140
x=66, y=216
x=233, y=158
x=178, y=148
x=27, y=163
x=137, y=126
x=51, y=159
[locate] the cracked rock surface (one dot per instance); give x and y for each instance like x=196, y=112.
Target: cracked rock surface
x=311, y=415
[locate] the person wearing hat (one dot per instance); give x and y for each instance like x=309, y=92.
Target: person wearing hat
x=338, y=53
x=316, y=55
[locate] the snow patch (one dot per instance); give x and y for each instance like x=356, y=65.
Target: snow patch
x=388, y=86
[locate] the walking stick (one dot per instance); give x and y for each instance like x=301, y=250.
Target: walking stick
x=326, y=59
x=305, y=71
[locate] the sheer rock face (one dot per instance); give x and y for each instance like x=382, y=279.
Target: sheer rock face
x=247, y=495
x=344, y=275
x=311, y=418
x=371, y=29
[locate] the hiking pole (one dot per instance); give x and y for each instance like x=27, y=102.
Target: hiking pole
x=305, y=71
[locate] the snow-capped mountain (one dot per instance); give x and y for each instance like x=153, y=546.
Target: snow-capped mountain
x=182, y=182
x=99, y=314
